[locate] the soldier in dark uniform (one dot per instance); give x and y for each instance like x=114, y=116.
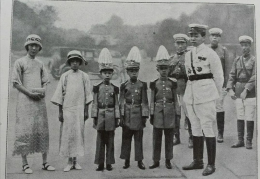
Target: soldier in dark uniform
x=105, y=112
x=242, y=79
x=163, y=97
x=215, y=36
x=205, y=81
x=134, y=110
x=177, y=71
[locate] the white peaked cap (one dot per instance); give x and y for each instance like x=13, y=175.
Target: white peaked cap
x=162, y=53
x=134, y=55
x=105, y=56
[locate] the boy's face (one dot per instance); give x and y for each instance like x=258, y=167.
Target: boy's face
x=163, y=70
x=246, y=47
x=180, y=46
x=107, y=74
x=214, y=39
x=33, y=49
x=74, y=64
x=133, y=73
x=196, y=39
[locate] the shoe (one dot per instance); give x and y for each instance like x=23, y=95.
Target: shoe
x=109, y=167
x=76, y=166
x=240, y=133
x=168, y=164
x=220, y=124
x=209, y=170
x=127, y=164
x=27, y=169
x=48, y=167
x=68, y=168
x=250, y=132
x=211, y=150
x=141, y=165
x=196, y=164
x=155, y=165
x=190, y=145
x=100, y=167
x=176, y=139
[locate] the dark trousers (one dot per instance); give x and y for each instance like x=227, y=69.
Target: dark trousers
x=157, y=143
x=126, y=144
x=105, y=139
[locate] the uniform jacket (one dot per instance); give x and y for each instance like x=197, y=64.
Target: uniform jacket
x=203, y=60
x=223, y=55
x=163, y=98
x=177, y=70
x=238, y=78
x=105, y=106
x=134, y=104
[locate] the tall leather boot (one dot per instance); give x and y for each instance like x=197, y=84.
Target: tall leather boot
x=240, y=133
x=211, y=149
x=176, y=139
x=220, y=123
x=190, y=133
x=198, y=146
x=250, y=132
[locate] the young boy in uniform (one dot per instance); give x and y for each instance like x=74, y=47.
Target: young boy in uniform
x=134, y=109
x=242, y=78
x=73, y=96
x=163, y=98
x=105, y=112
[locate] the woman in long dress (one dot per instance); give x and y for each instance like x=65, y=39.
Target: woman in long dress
x=30, y=79
x=73, y=96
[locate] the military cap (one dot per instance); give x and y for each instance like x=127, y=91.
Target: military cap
x=75, y=54
x=197, y=28
x=162, y=56
x=133, y=59
x=33, y=39
x=217, y=31
x=181, y=38
x=245, y=38
x=105, y=60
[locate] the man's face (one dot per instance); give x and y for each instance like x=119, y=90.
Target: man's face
x=74, y=64
x=196, y=39
x=133, y=73
x=180, y=46
x=107, y=74
x=33, y=49
x=163, y=70
x=214, y=39
x=246, y=47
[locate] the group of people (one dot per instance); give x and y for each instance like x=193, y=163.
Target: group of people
x=191, y=86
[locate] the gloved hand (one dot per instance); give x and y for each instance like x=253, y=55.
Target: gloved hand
x=122, y=122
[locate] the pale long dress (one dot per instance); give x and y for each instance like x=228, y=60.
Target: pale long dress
x=31, y=129
x=73, y=92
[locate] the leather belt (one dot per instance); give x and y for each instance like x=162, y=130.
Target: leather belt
x=200, y=77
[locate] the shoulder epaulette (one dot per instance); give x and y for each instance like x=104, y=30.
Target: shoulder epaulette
x=115, y=88
x=152, y=84
x=144, y=84
x=174, y=83
x=122, y=86
x=96, y=87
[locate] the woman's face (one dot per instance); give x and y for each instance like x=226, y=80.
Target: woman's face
x=74, y=64
x=33, y=49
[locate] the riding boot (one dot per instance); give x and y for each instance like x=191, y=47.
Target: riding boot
x=211, y=150
x=250, y=132
x=220, y=124
x=240, y=133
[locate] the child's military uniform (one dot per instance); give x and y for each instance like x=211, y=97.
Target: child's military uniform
x=162, y=111
x=177, y=71
x=242, y=77
x=105, y=111
x=134, y=111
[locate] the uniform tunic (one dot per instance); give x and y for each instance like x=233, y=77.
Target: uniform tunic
x=239, y=79
x=163, y=98
x=31, y=129
x=73, y=93
x=105, y=109
x=177, y=70
x=134, y=107
x=200, y=95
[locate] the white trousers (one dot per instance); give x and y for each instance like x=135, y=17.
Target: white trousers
x=202, y=116
x=184, y=112
x=246, y=109
x=220, y=101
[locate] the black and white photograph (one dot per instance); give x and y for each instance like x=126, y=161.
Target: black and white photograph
x=129, y=89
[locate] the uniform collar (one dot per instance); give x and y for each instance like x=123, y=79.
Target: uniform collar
x=163, y=78
x=181, y=53
x=200, y=47
x=106, y=83
x=28, y=56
